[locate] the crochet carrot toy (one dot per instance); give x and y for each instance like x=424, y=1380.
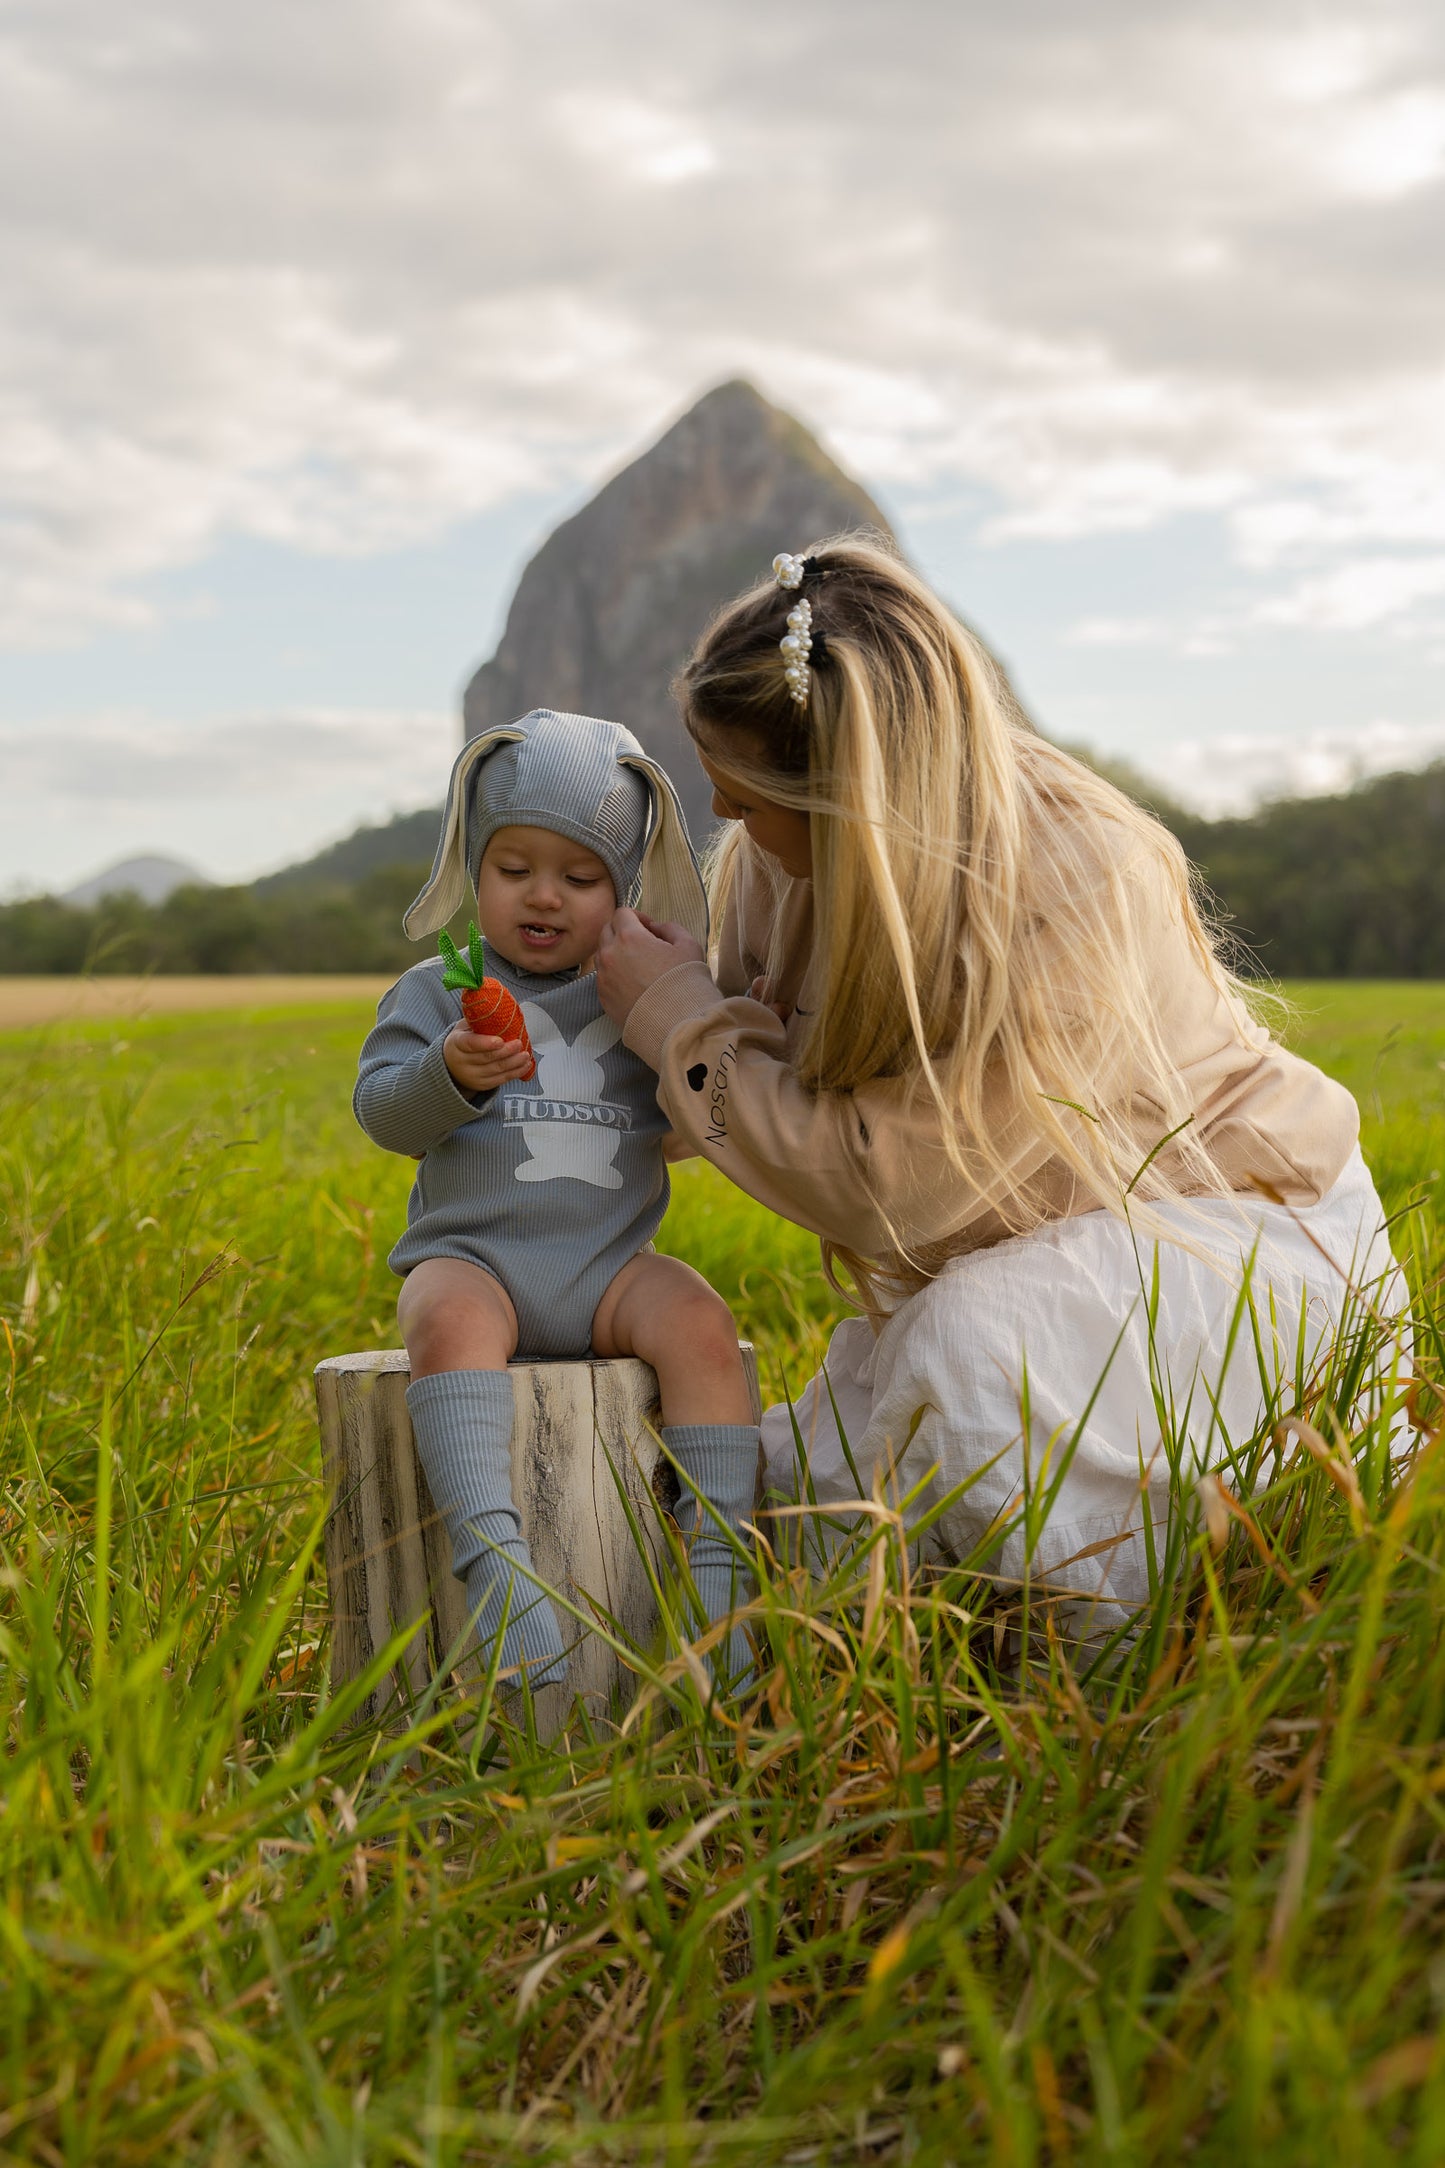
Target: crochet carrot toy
x=486, y=1003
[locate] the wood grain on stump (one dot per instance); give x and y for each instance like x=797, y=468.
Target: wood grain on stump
x=581, y=1444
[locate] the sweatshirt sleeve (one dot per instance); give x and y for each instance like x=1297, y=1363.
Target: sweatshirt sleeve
x=865, y=1168
x=406, y=1098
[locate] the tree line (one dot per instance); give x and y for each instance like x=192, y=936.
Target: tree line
x=354, y=926
x=1351, y=886
x=1343, y=887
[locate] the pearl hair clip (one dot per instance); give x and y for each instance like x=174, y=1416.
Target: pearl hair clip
x=797, y=646
x=798, y=641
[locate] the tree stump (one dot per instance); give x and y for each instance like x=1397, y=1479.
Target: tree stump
x=581, y=1430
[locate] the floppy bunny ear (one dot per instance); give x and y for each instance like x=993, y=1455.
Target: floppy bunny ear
x=449, y=885
x=672, y=885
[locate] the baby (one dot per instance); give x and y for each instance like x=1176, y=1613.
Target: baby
x=530, y=1222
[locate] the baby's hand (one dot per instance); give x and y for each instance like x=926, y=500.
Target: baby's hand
x=480, y=1064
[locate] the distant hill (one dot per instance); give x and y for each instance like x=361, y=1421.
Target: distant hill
x=150, y=878
x=408, y=839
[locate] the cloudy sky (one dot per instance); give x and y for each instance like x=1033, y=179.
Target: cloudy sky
x=316, y=314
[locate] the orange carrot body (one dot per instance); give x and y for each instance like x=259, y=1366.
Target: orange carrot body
x=492, y=1011
x=488, y=1007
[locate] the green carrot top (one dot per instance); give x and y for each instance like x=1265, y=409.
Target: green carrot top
x=463, y=971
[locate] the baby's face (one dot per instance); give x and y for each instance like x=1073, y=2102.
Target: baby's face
x=542, y=901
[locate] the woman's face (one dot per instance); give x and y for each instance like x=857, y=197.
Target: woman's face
x=780, y=830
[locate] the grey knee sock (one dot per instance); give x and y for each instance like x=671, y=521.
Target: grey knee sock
x=721, y=1460
x=462, y=1420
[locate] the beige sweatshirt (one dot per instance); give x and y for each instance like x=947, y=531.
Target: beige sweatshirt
x=851, y=1165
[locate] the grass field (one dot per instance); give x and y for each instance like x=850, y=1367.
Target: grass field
x=931, y=1906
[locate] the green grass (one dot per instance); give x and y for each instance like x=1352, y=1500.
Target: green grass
x=932, y=1905
x=1387, y=1042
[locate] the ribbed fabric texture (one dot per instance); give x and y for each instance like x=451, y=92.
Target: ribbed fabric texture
x=565, y=775
x=552, y=1184
x=462, y=1420
x=721, y=1461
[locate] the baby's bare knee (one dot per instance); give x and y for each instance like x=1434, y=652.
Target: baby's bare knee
x=672, y=1319
x=457, y=1320
x=687, y=1319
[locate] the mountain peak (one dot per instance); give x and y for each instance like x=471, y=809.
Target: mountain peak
x=613, y=602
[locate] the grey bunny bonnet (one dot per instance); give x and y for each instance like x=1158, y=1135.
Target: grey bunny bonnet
x=581, y=777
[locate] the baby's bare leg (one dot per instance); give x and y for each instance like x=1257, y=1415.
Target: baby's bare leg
x=460, y=1329
x=455, y=1316
x=660, y=1310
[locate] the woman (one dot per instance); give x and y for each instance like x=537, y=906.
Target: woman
x=964, y=1021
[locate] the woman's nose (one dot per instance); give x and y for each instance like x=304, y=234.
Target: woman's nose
x=723, y=807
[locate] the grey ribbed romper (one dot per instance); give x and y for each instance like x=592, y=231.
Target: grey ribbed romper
x=550, y=1185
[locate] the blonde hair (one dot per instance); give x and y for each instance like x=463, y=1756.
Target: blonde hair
x=976, y=924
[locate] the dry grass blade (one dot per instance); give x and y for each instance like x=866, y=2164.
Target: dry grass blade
x=1338, y=1466
x=668, y=1862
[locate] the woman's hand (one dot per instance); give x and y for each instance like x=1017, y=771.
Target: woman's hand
x=632, y=952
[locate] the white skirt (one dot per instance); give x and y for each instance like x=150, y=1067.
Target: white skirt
x=1076, y=1348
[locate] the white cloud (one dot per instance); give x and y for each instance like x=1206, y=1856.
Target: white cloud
x=1325, y=62
x=1361, y=593
x=1397, y=146
x=132, y=761
x=647, y=141
x=1119, y=632
x=1236, y=772
x=79, y=789
x=342, y=278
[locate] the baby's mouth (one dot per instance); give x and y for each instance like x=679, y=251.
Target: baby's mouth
x=538, y=933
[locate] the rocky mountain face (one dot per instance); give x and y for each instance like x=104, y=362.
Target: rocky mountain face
x=614, y=600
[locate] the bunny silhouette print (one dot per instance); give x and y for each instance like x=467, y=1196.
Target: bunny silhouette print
x=567, y=1125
